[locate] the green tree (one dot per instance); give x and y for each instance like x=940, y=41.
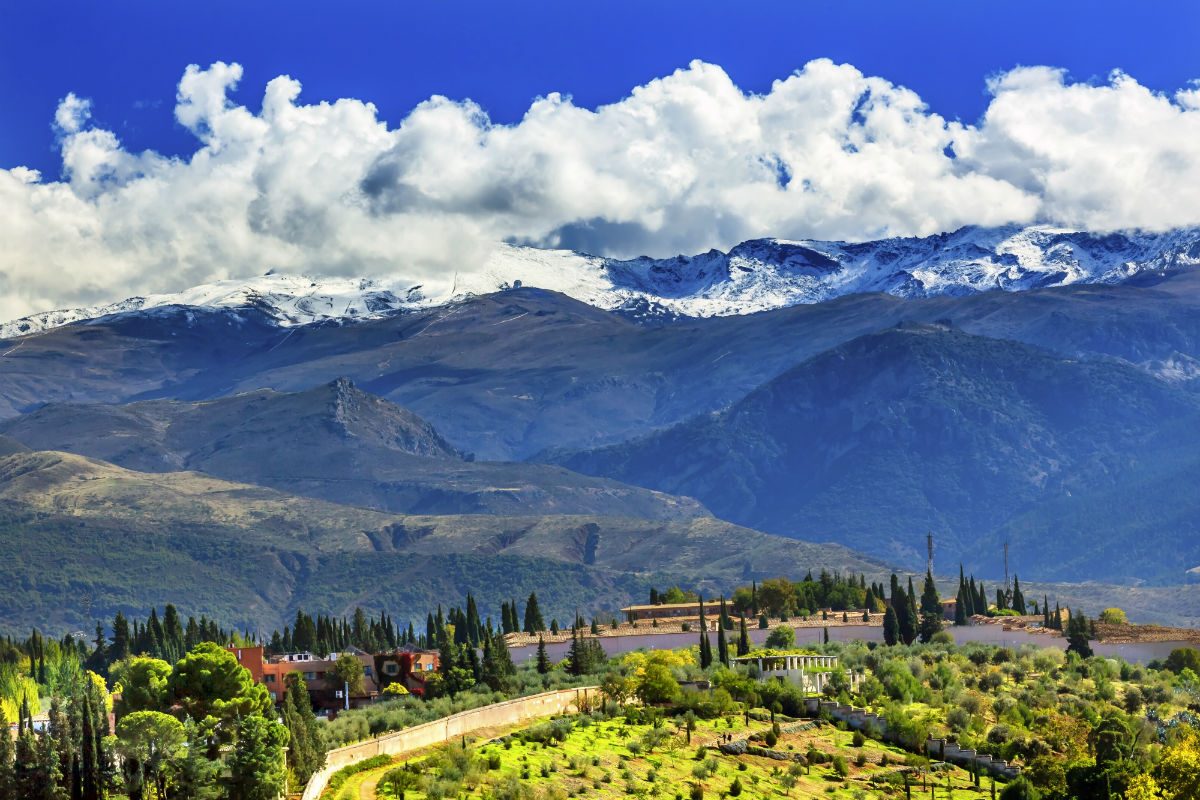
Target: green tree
x=1079, y=635
x=705, y=645
x=657, y=685
x=209, y=682
x=256, y=766
x=960, y=607
x=348, y=672
x=533, y=615
x=196, y=776
x=1182, y=658
x=1018, y=598
x=891, y=626
x=543, y=660
x=144, y=685
x=782, y=638
x=148, y=742
x=1020, y=789
x=743, y=643
x=8, y=785
x=910, y=626
x=1114, y=616
x=931, y=609
x=305, y=753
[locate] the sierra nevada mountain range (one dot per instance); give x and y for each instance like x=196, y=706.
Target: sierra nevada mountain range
x=1036, y=386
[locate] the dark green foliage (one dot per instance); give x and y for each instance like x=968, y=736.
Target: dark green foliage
x=891, y=627
x=931, y=610
x=533, y=615
x=1078, y=635
x=305, y=753
x=256, y=762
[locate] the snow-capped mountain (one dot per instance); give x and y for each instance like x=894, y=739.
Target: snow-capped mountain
x=754, y=276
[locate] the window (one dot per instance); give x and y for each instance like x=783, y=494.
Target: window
x=391, y=668
x=310, y=676
x=367, y=671
x=269, y=678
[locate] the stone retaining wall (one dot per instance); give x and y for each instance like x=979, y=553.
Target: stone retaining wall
x=510, y=712
x=942, y=749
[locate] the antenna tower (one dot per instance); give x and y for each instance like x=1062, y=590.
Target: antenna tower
x=929, y=550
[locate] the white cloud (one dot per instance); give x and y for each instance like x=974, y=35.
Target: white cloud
x=684, y=163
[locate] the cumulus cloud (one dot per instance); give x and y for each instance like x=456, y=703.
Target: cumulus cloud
x=684, y=163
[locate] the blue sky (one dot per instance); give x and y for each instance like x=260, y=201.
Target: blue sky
x=127, y=55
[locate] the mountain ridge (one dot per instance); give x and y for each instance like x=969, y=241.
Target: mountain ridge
x=923, y=427
x=753, y=276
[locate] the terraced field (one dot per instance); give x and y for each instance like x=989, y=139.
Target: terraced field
x=631, y=756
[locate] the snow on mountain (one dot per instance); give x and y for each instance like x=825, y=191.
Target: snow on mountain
x=754, y=276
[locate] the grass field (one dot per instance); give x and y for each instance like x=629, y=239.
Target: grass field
x=585, y=757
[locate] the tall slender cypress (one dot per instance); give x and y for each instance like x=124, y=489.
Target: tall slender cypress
x=705, y=644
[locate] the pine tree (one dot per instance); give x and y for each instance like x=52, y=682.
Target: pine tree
x=543, y=660
x=891, y=626
x=931, y=609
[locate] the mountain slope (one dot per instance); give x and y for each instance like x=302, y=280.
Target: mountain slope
x=922, y=427
x=84, y=539
x=333, y=442
x=754, y=276
x=508, y=375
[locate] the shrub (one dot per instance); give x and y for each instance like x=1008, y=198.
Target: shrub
x=735, y=788
x=770, y=738
x=840, y=767
x=858, y=740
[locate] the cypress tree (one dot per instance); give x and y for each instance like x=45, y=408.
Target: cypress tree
x=533, y=615
x=891, y=626
x=722, y=646
x=960, y=607
x=931, y=609
x=1018, y=599
x=743, y=643
x=899, y=606
x=543, y=660
x=909, y=627
x=1079, y=635
x=705, y=644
